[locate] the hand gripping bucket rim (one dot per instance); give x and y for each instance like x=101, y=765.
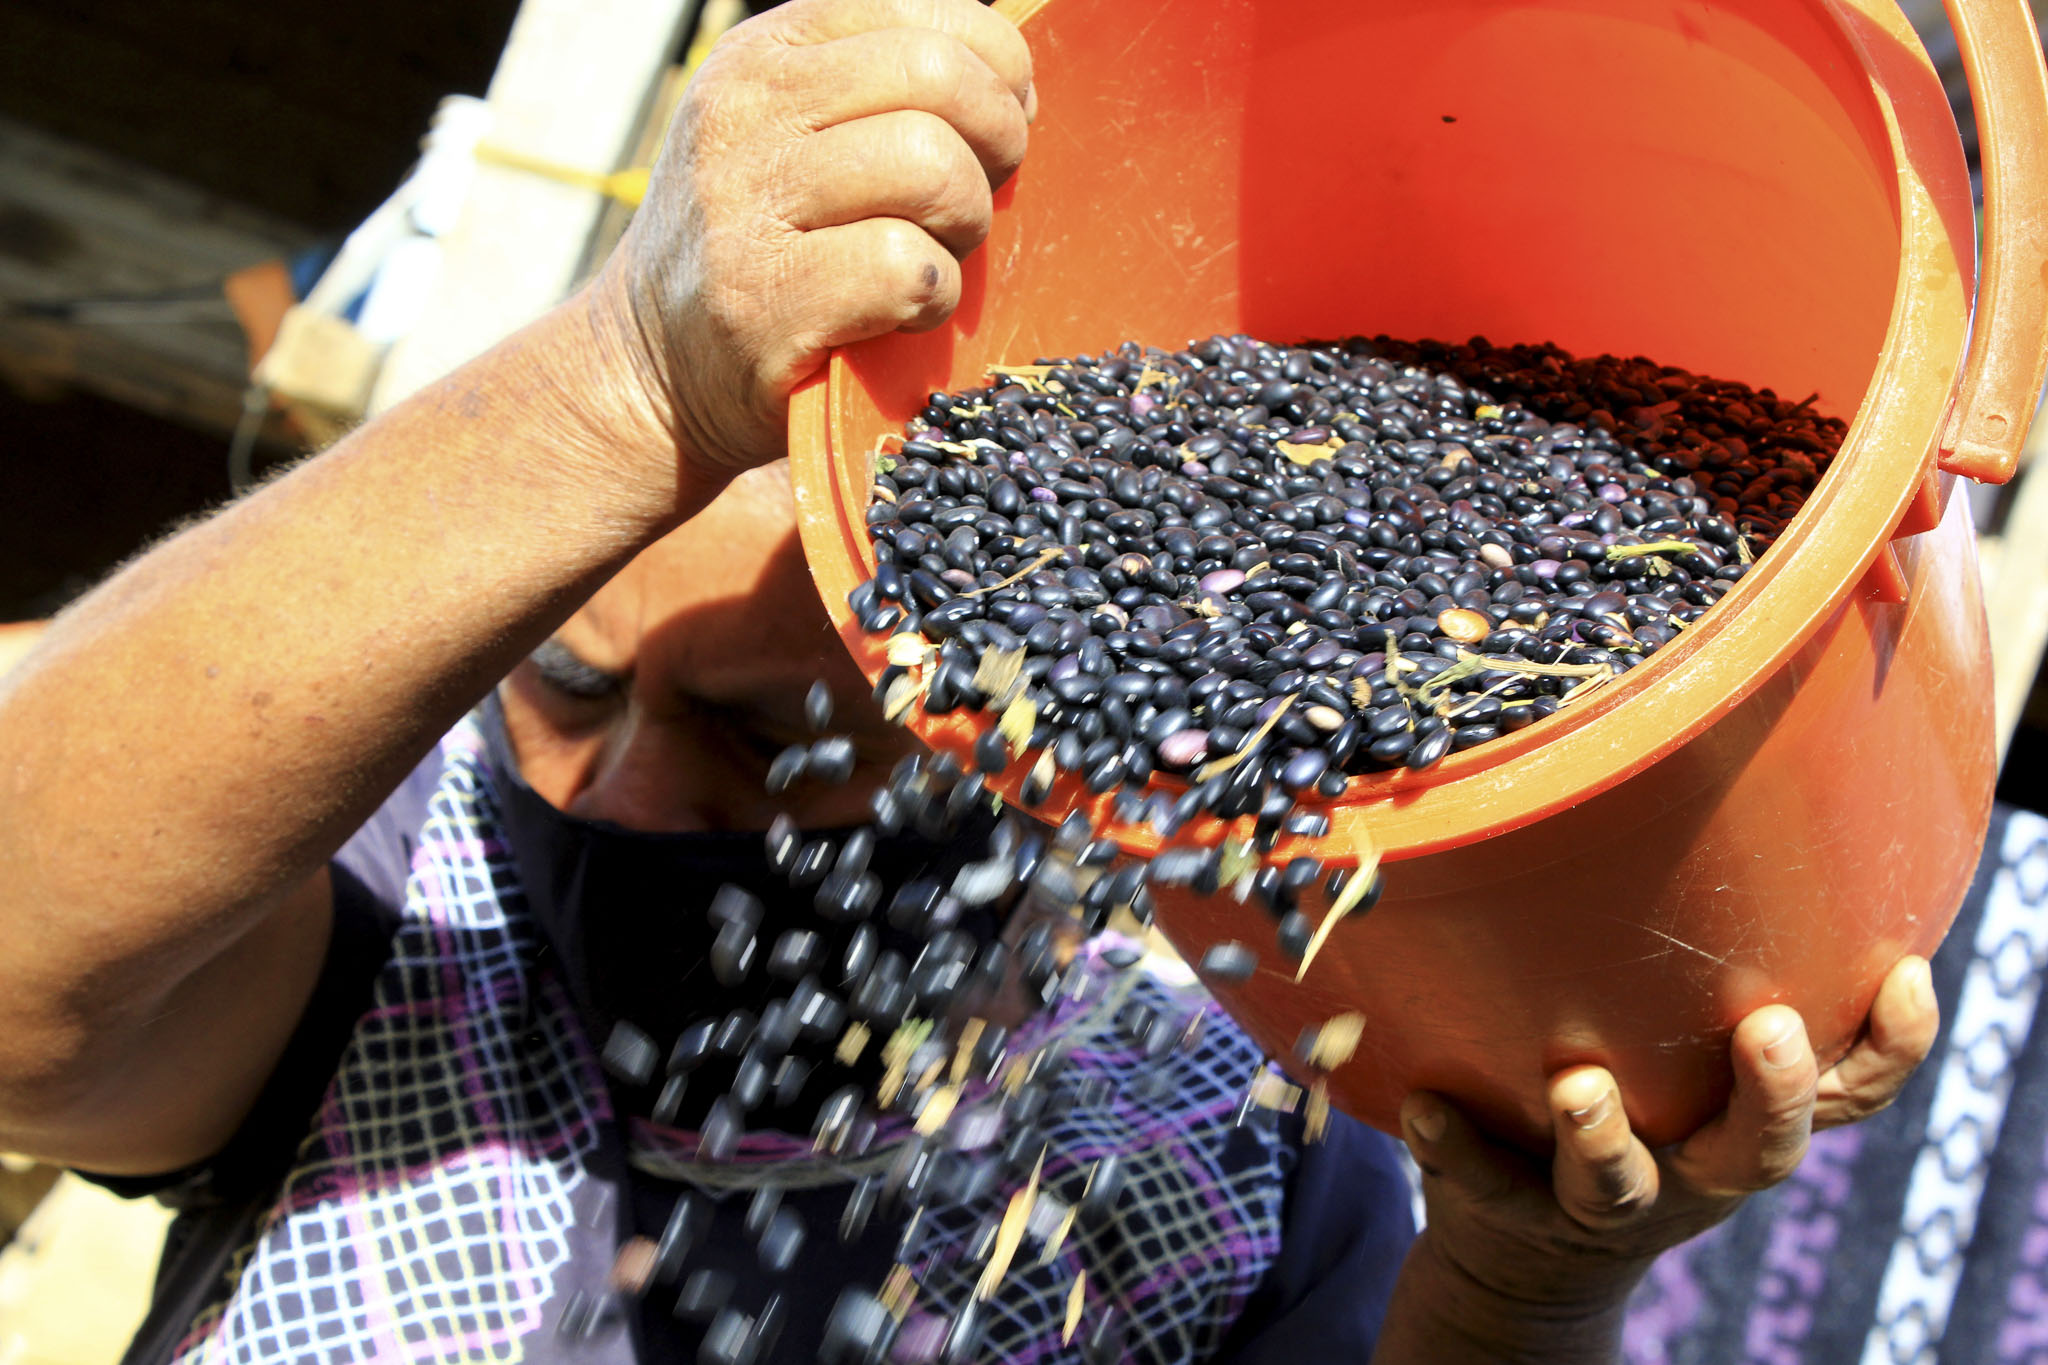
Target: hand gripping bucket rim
x=1879, y=488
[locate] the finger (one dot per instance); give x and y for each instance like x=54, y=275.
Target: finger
x=1904, y=1020
x=1760, y=1137
x=1602, y=1174
x=987, y=34
x=911, y=68
x=1459, y=1161
x=907, y=164
x=862, y=280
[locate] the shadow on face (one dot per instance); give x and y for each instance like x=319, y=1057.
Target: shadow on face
x=660, y=704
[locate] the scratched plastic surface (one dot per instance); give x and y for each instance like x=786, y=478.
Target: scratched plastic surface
x=1780, y=803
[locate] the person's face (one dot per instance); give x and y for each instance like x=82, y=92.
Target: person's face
x=660, y=704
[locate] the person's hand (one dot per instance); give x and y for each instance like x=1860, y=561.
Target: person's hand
x=831, y=162
x=1563, y=1244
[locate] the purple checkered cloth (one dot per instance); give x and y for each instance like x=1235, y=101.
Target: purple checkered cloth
x=461, y=1180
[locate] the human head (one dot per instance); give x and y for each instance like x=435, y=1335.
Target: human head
x=661, y=702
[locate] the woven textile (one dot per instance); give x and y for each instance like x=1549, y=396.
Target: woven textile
x=460, y=1181
x=431, y=1206
x=1195, y=1228
x=1919, y=1237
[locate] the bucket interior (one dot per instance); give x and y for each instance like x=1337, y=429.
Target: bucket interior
x=1711, y=185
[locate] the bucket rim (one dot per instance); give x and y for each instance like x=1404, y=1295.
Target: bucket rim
x=1886, y=462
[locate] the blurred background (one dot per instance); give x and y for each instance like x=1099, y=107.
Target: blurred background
x=230, y=229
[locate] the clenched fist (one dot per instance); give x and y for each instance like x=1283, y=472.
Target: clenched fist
x=830, y=164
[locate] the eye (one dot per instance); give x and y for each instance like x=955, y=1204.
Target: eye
x=570, y=674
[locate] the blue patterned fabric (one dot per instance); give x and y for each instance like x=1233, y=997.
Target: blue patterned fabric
x=464, y=1189
x=1919, y=1237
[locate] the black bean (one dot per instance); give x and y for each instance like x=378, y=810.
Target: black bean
x=735, y=1030
x=1429, y=750
x=704, y=1293
x=750, y=1083
x=788, y=1083
x=733, y=905
x=780, y=1241
x=859, y=955
x=692, y=1045
x=787, y=768
x=729, y=1340
x=669, y=1102
x=831, y=759
x=858, y=1331
x=818, y=701
x=1295, y=933
x=733, y=953
x=1229, y=963
x=719, y=1135
x=991, y=753
x=812, y=862
x=630, y=1054
x=860, y=1207
x=1304, y=770
x=794, y=954
x=1453, y=491
x=784, y=842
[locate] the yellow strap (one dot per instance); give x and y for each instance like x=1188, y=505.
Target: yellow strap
x=627, y=186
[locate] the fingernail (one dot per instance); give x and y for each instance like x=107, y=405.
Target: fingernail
x=1784, y=1049
x=1594, y=1114
x=1920, y=985
x=1030, y=104
x=1427, y=1123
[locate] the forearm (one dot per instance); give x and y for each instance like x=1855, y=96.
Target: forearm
x=196, y=737
x=1440, y=1316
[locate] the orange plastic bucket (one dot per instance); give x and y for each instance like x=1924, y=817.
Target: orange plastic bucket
x=1788, y=797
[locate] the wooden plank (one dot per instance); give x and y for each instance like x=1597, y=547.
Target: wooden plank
x=573, y=87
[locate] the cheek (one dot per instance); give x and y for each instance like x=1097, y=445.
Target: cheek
x=557, y=759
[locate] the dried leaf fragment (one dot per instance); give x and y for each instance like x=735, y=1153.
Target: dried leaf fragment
x=1018, y=721
x=937, y=1110
x=1010, y=1234
x=899, y=1290
x=1304, y=455
x=908, y=649
x=963, y=1052
x=999, y=675
x=902, y=692
x=1045, y=558
x=1058, y=1238
x=1317, y=1121
x=1251, y=742
x=1269, y=1090
x=1076, y=1297
x=1336, y=1041
x=1236, y=861
x=1347, y=899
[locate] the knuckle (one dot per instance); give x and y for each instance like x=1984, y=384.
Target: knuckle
x=934, y=66
x=929, y=147
x=904, y=259
x=1627, y=1198
x=951, y=195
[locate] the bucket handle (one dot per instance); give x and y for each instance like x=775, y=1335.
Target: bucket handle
x=2008, y=356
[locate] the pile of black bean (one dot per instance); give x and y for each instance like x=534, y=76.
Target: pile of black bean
x=1266, y=567
x=875, y=990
